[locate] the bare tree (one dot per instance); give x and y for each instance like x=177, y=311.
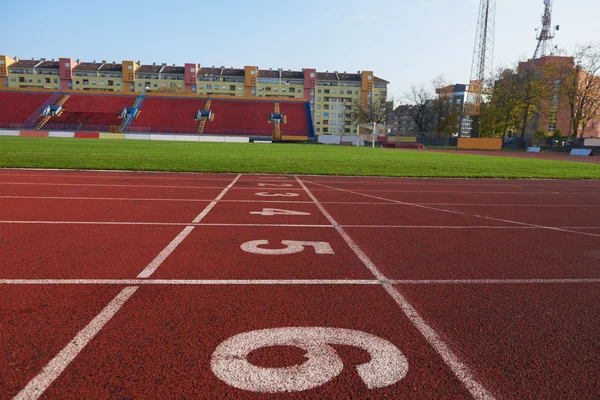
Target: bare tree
x=420, y=99
x=581, y=86
x=371, y=110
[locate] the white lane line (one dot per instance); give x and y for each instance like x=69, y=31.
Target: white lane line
x=166, y=252
x=164, y=224
x=189, y=282
x=327, y=188
x=36, y=387
x=463, y=213
x=100, y=198
x=109, y=185
x=61, y=361
x=295, y=202
x=209, y=282
x=458, y=368
x=157, y=199
x=201, y=216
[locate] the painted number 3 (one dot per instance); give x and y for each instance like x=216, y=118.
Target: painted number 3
x=229, y=361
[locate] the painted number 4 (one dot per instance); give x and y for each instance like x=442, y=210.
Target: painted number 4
x=230, y=364
x=291, y=247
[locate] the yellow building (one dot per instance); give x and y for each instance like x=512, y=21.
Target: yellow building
x=332, y=95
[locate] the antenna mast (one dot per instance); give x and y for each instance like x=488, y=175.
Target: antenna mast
x=544, y=45
x=483, y=60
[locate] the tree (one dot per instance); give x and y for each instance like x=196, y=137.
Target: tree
x=446, y=115
x=420, y=100
x=371, y=111
x=581, y=86
x=499, y=115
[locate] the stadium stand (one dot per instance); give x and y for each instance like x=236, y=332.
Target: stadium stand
x=276, y=119
x=168, y=115
x=16, y=107
x=90, y=112
x=237, y=117
x=296, y=115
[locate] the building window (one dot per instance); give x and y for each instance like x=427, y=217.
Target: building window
x=47, y=80
x=326, y=114
x=86, y=82
x=67, y=65
x=275, y=89
x=56, y=81
x=139, y=85
x=253, y=72
x=326, y=91
x=111, y=83
x=39, y=81
x=231, y=87
x=130, y=67
x=156, y=85
x=224, y=87
x=319, y=91
x=318, y=106
x=318, y=129
x=118, y=83
x=325, y=130
x=180, y=85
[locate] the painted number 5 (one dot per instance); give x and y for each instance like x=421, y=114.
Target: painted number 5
x=291, y=247
x=229, y=361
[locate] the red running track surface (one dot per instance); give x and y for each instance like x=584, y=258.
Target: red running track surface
x=120, y=284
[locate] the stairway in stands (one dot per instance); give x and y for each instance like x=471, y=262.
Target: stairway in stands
x=203, y=120
x=46, y=118
x=129, y=119
x=277, y=130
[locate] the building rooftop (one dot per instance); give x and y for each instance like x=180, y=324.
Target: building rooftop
x=209, y=71
x=233, y=72
x=292, y=74
x=268, y=73
x=326, y=76
x=149, y=69
x=88, y=66
x=379, y=80
x=349, y=77
x=112, y=67
x=173, y=70
x=24, y=64
x=49, y=65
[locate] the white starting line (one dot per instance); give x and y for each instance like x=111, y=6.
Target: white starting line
x=275, y=282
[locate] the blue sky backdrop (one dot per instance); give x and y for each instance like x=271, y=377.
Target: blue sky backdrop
x=405, y=42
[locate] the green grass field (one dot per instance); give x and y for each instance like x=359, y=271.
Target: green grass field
x=24, y=152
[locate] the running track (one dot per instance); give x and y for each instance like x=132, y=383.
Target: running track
x=139, y=285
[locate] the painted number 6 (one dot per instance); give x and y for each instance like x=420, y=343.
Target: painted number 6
x=229, y=361
x=291, y=247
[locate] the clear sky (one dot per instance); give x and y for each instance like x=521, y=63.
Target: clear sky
x=405, y=42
